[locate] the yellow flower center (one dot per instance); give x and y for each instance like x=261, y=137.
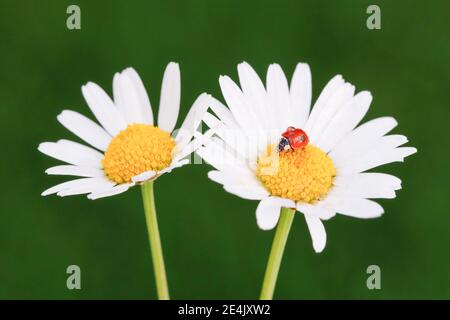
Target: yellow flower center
x=138, y=148
x=303, y=175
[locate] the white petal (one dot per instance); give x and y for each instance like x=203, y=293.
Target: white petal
x=381, y=152
x=268, y=211
x=254, y=90
x=301, y=92
x=378, y=147
x=65, y=185
x=235, y=99
x=103, y=108
x=249, y=193
x=331, y=87
x=368, y=185
x=111, y=192
x=127, y=99
x=336, y=101
x=223, y=113
x=72, y=152
x=85, y=128
x=192, y=146
x=70, y=170
x=220, y=157
x=323, y=209
x=247, y=145
x=363, y=136
x=147, y=175
x=356, y=207
x=278, y=94
x=317, y=231
x=232, y=137
x=78, y=184
x=212, y=121
x=144, y=101
x=131, y=97
x=397, y=155
x=169, y=104
x=192, y=120
x=240, y=184
x=345, y=121
x=98, y=184
x=233, y=178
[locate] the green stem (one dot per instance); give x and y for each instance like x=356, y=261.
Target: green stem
x=155, y=241
x=276, y=253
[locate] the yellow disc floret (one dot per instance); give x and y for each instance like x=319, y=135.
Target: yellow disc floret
x=303, y=175
x=137, y=149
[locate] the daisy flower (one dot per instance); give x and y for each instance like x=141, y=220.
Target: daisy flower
x=271, y=146
x=126, y=148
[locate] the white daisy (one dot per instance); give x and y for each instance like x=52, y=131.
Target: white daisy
x=325, y=177
x=126, y=148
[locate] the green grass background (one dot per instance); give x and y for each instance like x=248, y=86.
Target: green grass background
x=212, y=246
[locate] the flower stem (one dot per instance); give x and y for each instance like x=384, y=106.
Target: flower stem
x=276, y=253
x=155, y=241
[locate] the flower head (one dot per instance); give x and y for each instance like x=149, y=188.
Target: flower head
x=127, y=148
x=319, y=175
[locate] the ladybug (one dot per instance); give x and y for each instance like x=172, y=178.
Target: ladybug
x=293, y=138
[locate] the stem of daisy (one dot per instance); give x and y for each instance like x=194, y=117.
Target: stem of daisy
x=155, y=241
x=276, y=253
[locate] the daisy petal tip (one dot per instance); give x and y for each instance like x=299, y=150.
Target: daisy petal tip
x=61, y=115
x=224, y=79
x=393, y=121
x=244, y=66
x=317, y=232
x=173, y=67
x=116, y=78
x=264, y=227
x=268, y=213
x=43, y=147
x=130, y=69
x=303, y=66
x=265, y=224
x=204, y=95
x=274, y=69
x=95, y=196
x=320, y=244
x=319, y=248
x=379, y=213
x=87, y=86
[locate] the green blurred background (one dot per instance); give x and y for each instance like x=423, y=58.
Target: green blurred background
x=212, y=246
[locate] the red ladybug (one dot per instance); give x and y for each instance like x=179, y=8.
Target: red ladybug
x=294, y=138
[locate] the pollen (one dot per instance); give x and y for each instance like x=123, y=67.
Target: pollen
x=137, y=149
x=302, y=175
